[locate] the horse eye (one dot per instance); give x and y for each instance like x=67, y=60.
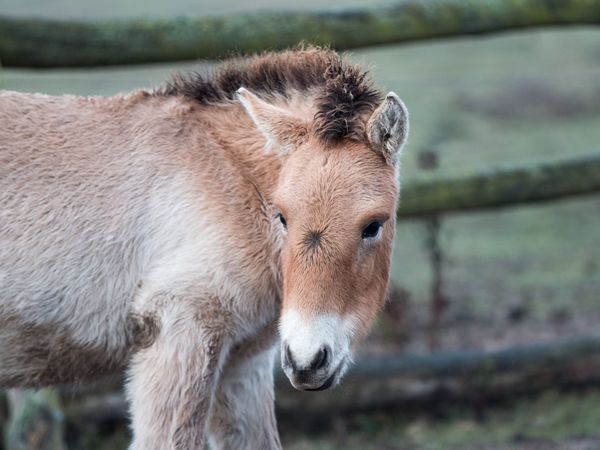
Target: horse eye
x=282, y=220
x=372, y=230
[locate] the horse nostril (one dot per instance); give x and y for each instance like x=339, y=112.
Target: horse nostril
x=289, y=359
x=320, y=359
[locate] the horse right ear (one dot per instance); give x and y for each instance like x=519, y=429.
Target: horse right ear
x=282, y=130
x=387, y=129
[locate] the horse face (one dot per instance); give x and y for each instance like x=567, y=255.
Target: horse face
x=336, y=213
x=335, y=221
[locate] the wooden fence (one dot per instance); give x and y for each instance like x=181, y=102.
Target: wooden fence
x=52, y=43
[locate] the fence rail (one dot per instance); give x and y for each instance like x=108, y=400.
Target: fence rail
x=51, y=43
x=502, y=187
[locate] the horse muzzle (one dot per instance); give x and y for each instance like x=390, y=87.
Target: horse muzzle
x=319, y=374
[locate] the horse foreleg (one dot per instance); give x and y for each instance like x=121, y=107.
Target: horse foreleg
x=172, y=382
x=243, y=412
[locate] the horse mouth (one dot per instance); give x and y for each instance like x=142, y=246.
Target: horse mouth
x=328, y=382
x=325, y=385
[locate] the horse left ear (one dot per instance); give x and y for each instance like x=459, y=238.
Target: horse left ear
x=282, y=129
x=387, y=129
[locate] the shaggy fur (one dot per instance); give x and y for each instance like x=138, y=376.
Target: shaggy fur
x=142, y=233
x=344, y=93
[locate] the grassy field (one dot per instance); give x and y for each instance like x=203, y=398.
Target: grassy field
x=511, y=276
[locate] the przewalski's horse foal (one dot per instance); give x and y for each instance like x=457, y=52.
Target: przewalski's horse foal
x=170, y=232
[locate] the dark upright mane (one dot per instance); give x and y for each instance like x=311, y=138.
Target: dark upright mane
x=344, y=92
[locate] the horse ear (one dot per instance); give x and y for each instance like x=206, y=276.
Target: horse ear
x=282, y=130
x=387, y=129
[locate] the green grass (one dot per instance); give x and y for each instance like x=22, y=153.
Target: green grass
x=434, y=79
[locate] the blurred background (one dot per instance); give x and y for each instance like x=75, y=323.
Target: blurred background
x=489, y=339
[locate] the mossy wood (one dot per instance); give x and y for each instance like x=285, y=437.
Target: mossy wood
x=502, y=187
x=50, y=43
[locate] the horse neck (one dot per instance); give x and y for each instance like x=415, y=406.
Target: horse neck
x=257, y=170
x=245, y=147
